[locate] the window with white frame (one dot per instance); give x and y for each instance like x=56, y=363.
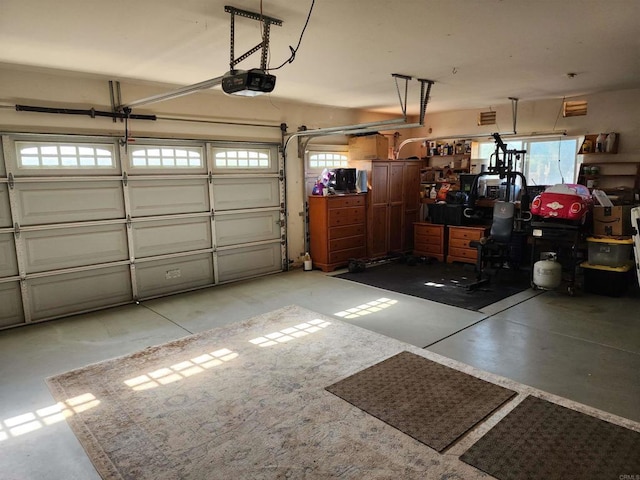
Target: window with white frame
x=165, y=157
x=322, y=160
x=54, y=155
x=244, y=158
x=548, y=160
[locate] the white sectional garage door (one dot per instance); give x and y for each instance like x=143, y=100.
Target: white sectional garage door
x=86, y=223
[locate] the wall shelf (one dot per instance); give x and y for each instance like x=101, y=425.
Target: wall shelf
x=588, y=146
x=628, y=172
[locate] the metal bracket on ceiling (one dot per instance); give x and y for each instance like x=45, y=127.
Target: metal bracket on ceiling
x=425, y=91
x=264, y=45
x=403, y=102
x=514, y=112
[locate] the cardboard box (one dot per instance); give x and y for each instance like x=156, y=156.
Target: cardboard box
x=612, y=220
x=368, y=147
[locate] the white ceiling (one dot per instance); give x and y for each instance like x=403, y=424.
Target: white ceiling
x=479, y=52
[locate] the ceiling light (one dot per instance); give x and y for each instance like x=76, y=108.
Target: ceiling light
x=248, y=83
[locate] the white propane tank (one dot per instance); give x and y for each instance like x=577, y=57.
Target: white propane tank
x=547, y=273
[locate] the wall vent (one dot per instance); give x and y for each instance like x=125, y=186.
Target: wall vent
x=486, y=118
x=574, y=108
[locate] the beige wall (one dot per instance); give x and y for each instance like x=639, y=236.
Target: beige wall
x=611, y=111
x=607, y=112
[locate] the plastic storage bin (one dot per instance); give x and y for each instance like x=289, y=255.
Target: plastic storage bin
x=609, y=251
x=609, y=281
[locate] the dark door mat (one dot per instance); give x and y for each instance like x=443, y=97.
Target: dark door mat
x=430, y=402
x=442, y=282
x=540, y=440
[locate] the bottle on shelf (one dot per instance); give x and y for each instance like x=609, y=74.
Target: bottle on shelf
x=600, y=143
x=610, y=142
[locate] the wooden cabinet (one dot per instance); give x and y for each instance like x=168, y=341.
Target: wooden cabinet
x=429, y=240
x=394, y=201
x=337, y=229
x=458, y=245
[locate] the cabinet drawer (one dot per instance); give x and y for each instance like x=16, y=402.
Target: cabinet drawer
x=348, y=201
x=348, y=231
x=427, y=248
x=346, y=216
x=347, y=242
x=460, y=243
x=432, y=239
x=466, y=233
x=424, y=229
x=344, y=255
x=463, y=253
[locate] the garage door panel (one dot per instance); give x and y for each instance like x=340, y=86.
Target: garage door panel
x=74, y=247
x=79, y=291
x=5, y=211
x=8, y=262
x=10, y=304
x=174, y=275
x=249, y=261
x=239, y=193
x=171, y=236
x=69, y=202
x=166, y=197
x=247, y=227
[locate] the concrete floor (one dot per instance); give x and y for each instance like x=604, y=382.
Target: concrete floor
x=585, y=348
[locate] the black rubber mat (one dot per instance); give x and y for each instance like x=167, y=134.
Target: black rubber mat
x=442, y=282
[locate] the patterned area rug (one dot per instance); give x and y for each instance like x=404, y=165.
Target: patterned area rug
x=433, y=403
x=540, y=440
x=248, y=401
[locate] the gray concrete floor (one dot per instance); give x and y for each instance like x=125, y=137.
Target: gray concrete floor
x=585, y=348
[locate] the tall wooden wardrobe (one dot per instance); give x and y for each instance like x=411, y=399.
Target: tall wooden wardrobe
x=393, y=207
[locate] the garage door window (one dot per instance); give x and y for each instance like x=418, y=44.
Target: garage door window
x=64, y=155
x=168, y=157
x=258, y=159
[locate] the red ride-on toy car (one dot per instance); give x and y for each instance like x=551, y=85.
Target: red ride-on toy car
x=564, y=201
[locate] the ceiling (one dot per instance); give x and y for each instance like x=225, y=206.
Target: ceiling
x=479, y=52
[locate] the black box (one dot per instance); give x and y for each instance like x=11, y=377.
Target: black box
x=437, y=213
x=447, y=214
x=609, y=281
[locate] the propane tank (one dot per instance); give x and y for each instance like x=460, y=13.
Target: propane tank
x=547, y=273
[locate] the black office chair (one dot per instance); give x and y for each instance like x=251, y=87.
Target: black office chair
x=493, y=251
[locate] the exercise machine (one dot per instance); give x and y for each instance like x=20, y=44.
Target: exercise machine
x=494, y=250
